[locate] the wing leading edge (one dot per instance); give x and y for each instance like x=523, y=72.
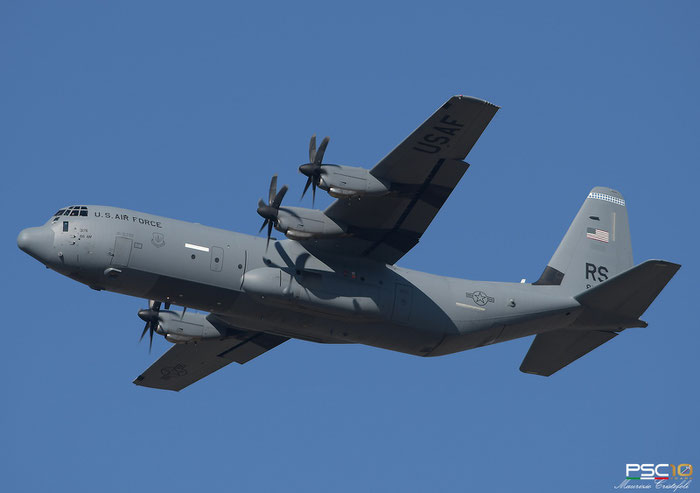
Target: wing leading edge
x=185, y=364
x=422, y=172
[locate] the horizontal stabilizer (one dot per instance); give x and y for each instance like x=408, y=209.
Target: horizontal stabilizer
x=630, y=293
x=552, y=351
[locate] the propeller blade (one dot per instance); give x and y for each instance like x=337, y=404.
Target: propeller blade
x=308, y=183
x=151, y=316
x=314, y=169
x=313, y=193
x=278, y=198
x=273, y=189
x=321, y=151
x=270, y=211
x=167, y=305
x=312, y=148
x=144, y=331
x=269, y=233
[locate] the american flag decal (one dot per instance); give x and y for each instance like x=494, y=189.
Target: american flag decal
x=598, y=234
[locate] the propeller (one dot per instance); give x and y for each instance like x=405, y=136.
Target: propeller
x=151, y=316
x=270, y=211
x=313, y=169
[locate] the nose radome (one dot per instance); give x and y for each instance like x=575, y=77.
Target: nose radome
x=24, y=239
x=35, y=241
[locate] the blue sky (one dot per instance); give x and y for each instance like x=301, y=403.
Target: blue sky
x=185, y=109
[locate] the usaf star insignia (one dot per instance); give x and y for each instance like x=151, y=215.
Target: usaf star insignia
x=480, y=298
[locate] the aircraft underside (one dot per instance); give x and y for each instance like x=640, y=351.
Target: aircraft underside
x=334, y=278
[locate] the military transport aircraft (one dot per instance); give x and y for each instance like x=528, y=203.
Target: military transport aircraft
x=334, y=279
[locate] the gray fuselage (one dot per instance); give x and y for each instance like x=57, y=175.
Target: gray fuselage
x=284, y=289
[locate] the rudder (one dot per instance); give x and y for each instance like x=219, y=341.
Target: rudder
x=596, y=247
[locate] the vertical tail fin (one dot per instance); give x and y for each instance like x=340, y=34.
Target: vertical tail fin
x=596, y=247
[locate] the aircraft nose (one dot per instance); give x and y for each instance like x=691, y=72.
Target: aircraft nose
x=35, y=241
x=24, y=239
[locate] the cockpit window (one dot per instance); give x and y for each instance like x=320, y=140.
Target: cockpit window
x=73, y=210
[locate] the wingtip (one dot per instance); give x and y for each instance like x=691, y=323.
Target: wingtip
x=534, y=372
x=664, y=264
x=475, y=100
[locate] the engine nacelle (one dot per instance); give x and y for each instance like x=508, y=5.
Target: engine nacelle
x=351, y=181
x=298, y=223
x=177, y=339
x=179, y=327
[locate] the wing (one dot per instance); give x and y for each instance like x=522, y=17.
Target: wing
x=184, y=364
x=552, y=351
x=422, y=171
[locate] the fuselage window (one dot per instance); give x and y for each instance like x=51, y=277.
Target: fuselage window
x=83, y=213
x=65, y=226
x=74, y=212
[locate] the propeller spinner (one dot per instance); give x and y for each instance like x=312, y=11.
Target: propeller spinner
x=314, y=168
x=270, y=211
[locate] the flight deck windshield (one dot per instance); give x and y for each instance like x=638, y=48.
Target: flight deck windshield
x=73, y=210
